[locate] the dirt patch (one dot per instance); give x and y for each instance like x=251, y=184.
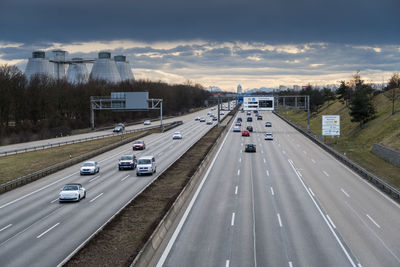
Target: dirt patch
x=122, y=239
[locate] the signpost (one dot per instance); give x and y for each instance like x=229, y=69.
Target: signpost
x=331, y=125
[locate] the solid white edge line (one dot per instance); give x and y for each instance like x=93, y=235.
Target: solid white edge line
x=372, y=220
x=323, y=216
x=4, y=228
x=38, y=190
x=189, y=208
x=329, y=219
x=233, y=219
x=93, y=199
x=344, y=192
x=312, y=193
x=48, y=230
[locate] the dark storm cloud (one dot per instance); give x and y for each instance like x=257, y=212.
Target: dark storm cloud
x=273, y=21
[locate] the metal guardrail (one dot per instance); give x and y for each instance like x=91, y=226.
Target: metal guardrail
x=387, y=188
x=58, y=144
x=52, y=169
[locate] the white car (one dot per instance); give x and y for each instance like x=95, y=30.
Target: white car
x=221, y=113
x=146, y=165
x=209, y=122
x=202, y=119
x=236, y=128
x=177, y=135
x=72, y=192
x=90, y=167
x=269, y=136
x=197, y=118
x=147, y=122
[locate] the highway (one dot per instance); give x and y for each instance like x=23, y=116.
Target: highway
x=288, y=204
x=37, y=230
x=70, y=138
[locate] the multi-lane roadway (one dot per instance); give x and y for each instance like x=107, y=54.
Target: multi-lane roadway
x=37, y=230
x=288, y=204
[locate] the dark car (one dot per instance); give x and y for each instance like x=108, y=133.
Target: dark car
x=239, y=119
x=249, y=128
x=245, y=133
x=250, y=148
x=139, y=144
x=268, y=124
x=127, y=162
x=119, y=128
x=249, y=119
x=259, y=118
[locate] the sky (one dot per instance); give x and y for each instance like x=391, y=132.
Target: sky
x=255, y=43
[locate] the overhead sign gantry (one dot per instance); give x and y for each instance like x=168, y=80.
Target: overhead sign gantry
x=258, y=103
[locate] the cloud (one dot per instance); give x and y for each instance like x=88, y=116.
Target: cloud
x=275, y=21
x=226, y=64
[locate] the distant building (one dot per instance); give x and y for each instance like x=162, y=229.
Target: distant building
x=282, y=88
x=296, y=87
x=239, y=90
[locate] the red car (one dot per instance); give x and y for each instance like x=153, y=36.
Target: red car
x=245, y=133
x=138, y=145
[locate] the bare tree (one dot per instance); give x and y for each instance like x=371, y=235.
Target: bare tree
x=393, y=85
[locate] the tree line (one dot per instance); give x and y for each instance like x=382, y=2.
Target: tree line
x=48, y=107
x=356, y=94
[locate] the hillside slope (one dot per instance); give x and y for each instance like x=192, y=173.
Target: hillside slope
x=356, y=142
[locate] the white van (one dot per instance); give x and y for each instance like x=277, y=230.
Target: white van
x=145, y=165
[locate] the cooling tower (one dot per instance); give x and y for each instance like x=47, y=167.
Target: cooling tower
x=104, y=68
x=77, y=72
x=124, y=69
x=39, y=65
x=59, y=64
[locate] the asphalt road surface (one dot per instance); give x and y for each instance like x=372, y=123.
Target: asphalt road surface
x=288, y=204
x=37, y=230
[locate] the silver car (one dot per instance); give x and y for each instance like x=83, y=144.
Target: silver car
x=90, y=167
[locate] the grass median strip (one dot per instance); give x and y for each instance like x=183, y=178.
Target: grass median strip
x=122, y=239
x=14, y=166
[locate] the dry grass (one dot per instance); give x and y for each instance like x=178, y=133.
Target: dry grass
x=15, y=166
x=357, y=142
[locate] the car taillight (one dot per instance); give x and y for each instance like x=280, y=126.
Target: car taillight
x=247, y=146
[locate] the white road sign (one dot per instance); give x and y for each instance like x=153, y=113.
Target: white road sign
x=258, y=103
x=330, y=125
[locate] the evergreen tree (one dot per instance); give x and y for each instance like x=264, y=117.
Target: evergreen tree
x=361, y=106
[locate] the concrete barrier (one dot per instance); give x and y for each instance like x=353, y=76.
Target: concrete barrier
x=152, y=245
x=390, y=155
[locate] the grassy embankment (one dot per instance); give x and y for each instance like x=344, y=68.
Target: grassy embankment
x=18, y=165
x=357, y=142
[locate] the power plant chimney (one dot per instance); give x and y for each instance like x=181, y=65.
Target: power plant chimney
x=123, y=67
x=38, y=64
x=104, y=68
